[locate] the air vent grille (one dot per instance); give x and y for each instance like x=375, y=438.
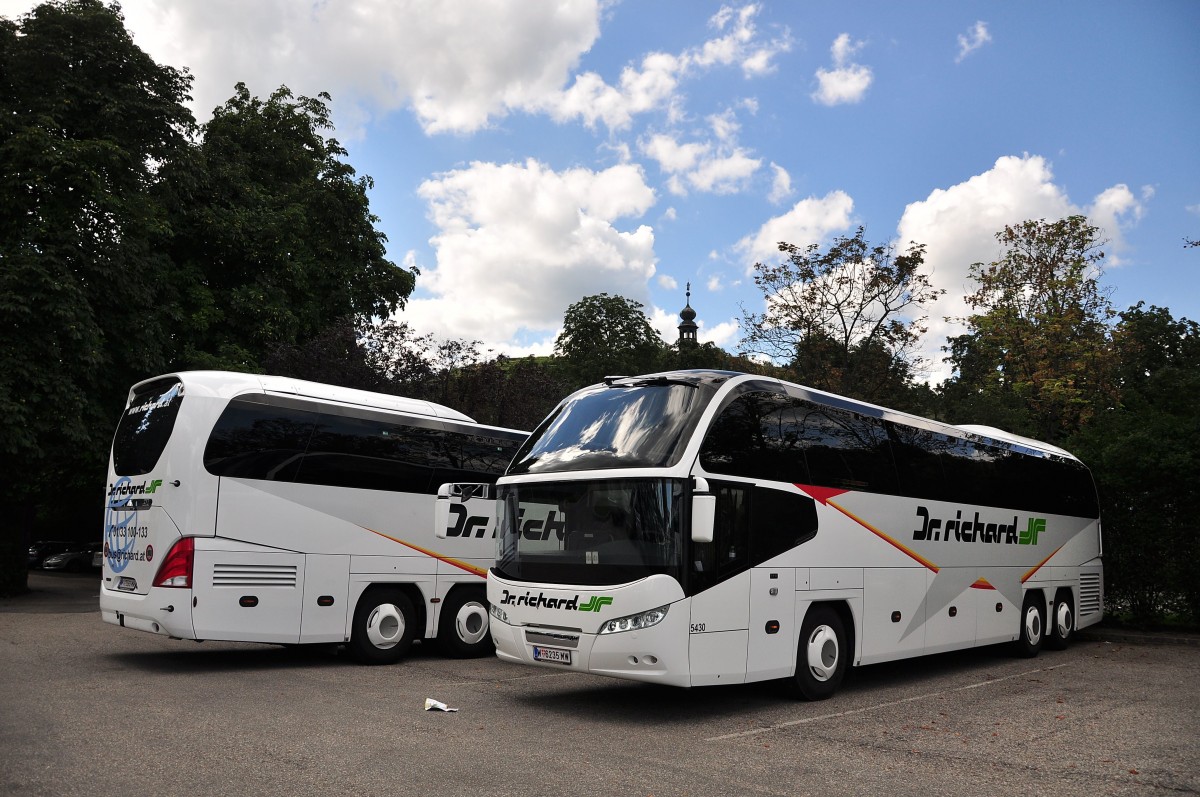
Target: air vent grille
x=245, y=575
x=1089, y=594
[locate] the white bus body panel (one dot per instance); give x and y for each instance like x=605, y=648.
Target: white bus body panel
x=657, y=655
x=285, y=544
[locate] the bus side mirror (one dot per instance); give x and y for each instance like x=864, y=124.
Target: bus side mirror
x=441, y=512
x=704, y=512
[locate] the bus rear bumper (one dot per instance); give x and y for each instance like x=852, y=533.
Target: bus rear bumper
x=161, y=611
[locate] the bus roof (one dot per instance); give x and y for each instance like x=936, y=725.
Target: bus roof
x=715, y=378
x=231, y=383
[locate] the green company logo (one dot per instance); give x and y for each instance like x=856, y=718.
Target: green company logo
x=596, y=603
x=1029, y=535
x=154, y=485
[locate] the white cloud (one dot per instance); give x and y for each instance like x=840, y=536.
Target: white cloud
x=667, y=281
x=847, y=82
x=781, y=184
x=809, y=221
x=517, y=243
x=653, y=84
x=958, y=227
x=1114, y=210
x=725, y=334
x=972, y=40
x=1193, y=209
x=716, y=167
x=714, y=283
x=456, y=65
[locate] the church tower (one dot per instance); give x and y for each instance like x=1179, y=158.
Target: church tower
x=688, y=328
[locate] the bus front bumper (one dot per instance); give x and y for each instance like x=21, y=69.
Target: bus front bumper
x=654, y=655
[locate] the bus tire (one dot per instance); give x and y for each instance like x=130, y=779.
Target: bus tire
x=823, y=655
x=463, y=630
x=384, y=626
x=1032, y=632
x=1062, y=621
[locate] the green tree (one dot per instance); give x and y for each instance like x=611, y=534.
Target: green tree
x=847, y=319
x=273, y=234
x=1038, y=340
x=607, y=335
x=1144, y=452
x=87, y=301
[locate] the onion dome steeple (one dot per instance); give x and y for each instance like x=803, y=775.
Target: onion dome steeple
x=688, y=329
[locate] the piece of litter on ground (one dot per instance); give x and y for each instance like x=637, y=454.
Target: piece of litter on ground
x=436, y=705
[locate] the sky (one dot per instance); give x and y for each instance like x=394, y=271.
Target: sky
x=528, y=153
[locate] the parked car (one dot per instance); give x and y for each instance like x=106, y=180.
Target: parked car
x=77, y=560
x=39, y=550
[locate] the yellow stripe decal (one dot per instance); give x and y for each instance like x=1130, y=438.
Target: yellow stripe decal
x=470, y=568
x=898, y=545
x=1039, y=565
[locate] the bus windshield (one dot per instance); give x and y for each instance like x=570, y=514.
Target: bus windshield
x=590, y=532
x=635, y=425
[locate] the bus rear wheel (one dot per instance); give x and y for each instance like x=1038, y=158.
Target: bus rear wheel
x=463, y=628
x=1033, y=625
x=823, y=655
x=384, y=625
x=1062, y=622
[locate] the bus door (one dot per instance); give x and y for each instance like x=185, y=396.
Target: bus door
x=720, y=581
x=773, y=622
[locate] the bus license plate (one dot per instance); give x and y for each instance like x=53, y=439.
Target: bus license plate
x=127, y=584
x=551, y=654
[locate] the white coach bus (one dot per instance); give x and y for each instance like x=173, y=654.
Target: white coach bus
x=266, y=509
x=700, y=527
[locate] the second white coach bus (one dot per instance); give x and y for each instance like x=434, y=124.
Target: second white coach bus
x=266, y=509
x=698, y=527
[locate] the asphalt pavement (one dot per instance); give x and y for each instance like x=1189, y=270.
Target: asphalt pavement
x=89, y=708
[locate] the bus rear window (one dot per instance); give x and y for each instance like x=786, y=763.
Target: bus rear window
x=146, y=426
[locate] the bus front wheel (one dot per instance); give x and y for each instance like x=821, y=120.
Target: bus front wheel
x=384, y=625
x=463, y=628
x=823, y=655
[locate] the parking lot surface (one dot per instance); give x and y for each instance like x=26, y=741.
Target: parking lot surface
x=88, y=708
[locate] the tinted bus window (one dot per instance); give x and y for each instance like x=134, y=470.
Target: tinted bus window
x=259, y=441
x=476, y=457
x=146, y=426
x=371, y=455
x=757, y=436
x=766, y=435
x=845, y=449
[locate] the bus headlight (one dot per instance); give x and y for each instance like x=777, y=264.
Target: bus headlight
x=635, y=622
x=498, y=613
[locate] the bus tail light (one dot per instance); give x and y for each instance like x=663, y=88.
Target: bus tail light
x=176, y=569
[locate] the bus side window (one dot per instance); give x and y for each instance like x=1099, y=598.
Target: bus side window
x=372, y=455
x=756, y=436
x=845, y=449
x=779, y=521
x=258, y=441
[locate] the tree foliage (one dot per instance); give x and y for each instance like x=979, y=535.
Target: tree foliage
x=1144, y=452
x=129, y=247
x=274, y=233
x=1036, y=349
x=847, y=319
x=86, y=294
x=607, y=335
